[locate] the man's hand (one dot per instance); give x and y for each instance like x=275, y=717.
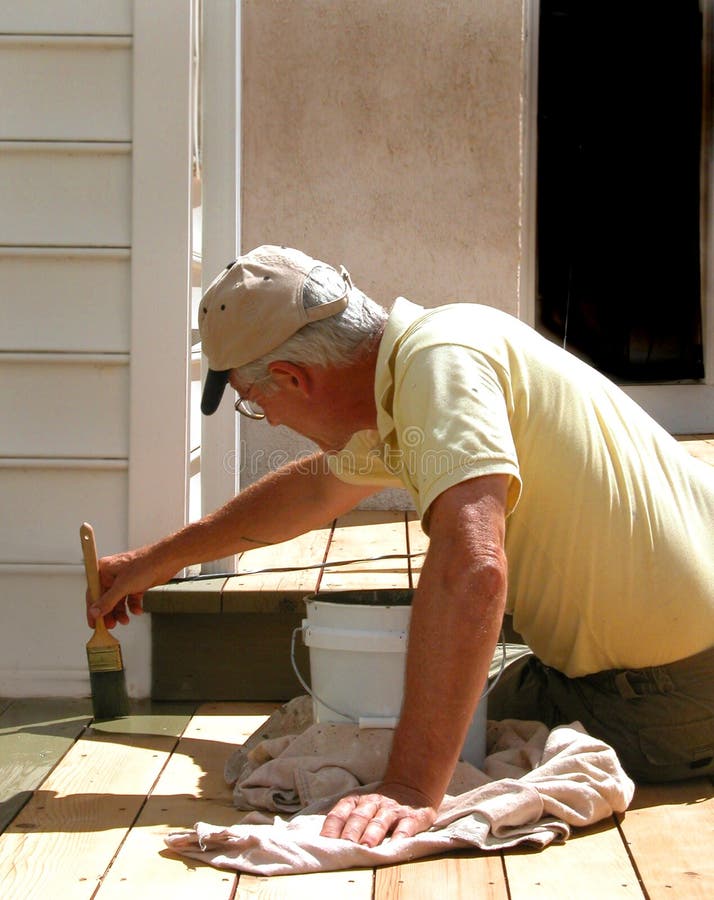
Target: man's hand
x=124, y=578
x=367, y=819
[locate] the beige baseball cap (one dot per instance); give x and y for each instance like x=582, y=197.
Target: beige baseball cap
x=254, y=305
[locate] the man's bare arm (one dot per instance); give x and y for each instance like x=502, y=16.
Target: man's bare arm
x=297, y=498
x=456, y=618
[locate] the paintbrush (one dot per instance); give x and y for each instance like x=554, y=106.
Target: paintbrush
x=106, y=669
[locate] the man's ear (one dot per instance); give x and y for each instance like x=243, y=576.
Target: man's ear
x=290, y=376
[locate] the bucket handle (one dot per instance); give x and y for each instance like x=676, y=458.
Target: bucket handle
x=305, y=685
x=388, y=723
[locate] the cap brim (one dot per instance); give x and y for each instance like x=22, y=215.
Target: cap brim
x=213, y=389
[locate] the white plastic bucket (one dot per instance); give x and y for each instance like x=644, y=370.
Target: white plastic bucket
x=358, y=643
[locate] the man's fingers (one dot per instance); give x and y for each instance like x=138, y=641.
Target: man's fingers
x=344, y=814
x=368, y=820
x=111, y=617
x=409, y=826
x=112, y=609
x=332, y=826
x=368, y=824
x=136, y=602
x=378, y=828
x=118, y=615
x=124, y=578
x=107, y=606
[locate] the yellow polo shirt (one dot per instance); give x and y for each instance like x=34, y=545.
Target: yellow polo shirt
x=609, y=534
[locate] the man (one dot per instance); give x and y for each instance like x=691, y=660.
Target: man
x=512, y=449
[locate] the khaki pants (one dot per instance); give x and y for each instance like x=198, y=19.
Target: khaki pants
x=659, y=720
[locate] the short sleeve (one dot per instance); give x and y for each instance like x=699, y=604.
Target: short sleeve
x=451, y=421
x=361, y=461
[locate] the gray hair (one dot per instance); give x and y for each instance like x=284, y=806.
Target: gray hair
x=336, y=341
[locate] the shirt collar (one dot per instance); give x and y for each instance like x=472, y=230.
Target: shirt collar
x=403, y=314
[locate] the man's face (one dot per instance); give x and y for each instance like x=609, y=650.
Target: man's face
x=312, y=415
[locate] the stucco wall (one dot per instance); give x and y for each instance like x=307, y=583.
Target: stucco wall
x=385, y=135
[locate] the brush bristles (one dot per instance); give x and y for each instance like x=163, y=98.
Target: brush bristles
x=109, y=697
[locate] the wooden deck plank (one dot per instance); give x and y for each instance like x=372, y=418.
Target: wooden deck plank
x=34, y=735
x=149, y=717
x=699, y=445
x=270, y=591
x=669, y=829
x=453, y=876
x=592, y=863
x=75, y=823
x=190, y=788
x=199, y=596
x=361, y=535
x=350, y=885
x=65, y=838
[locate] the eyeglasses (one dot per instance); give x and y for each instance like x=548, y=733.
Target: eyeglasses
x=248, y=408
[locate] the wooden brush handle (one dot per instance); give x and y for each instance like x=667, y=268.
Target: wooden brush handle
x=91, y=567
x=91, y=563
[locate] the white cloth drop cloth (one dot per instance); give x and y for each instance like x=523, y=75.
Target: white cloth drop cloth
x=535, y=785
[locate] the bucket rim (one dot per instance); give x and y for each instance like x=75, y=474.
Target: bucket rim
x=373, y=597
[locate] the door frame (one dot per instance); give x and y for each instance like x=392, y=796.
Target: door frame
x=680, y=407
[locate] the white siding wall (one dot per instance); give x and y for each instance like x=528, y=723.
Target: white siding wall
x=70, y=291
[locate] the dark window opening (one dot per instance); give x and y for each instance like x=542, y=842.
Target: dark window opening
x=618, y=215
